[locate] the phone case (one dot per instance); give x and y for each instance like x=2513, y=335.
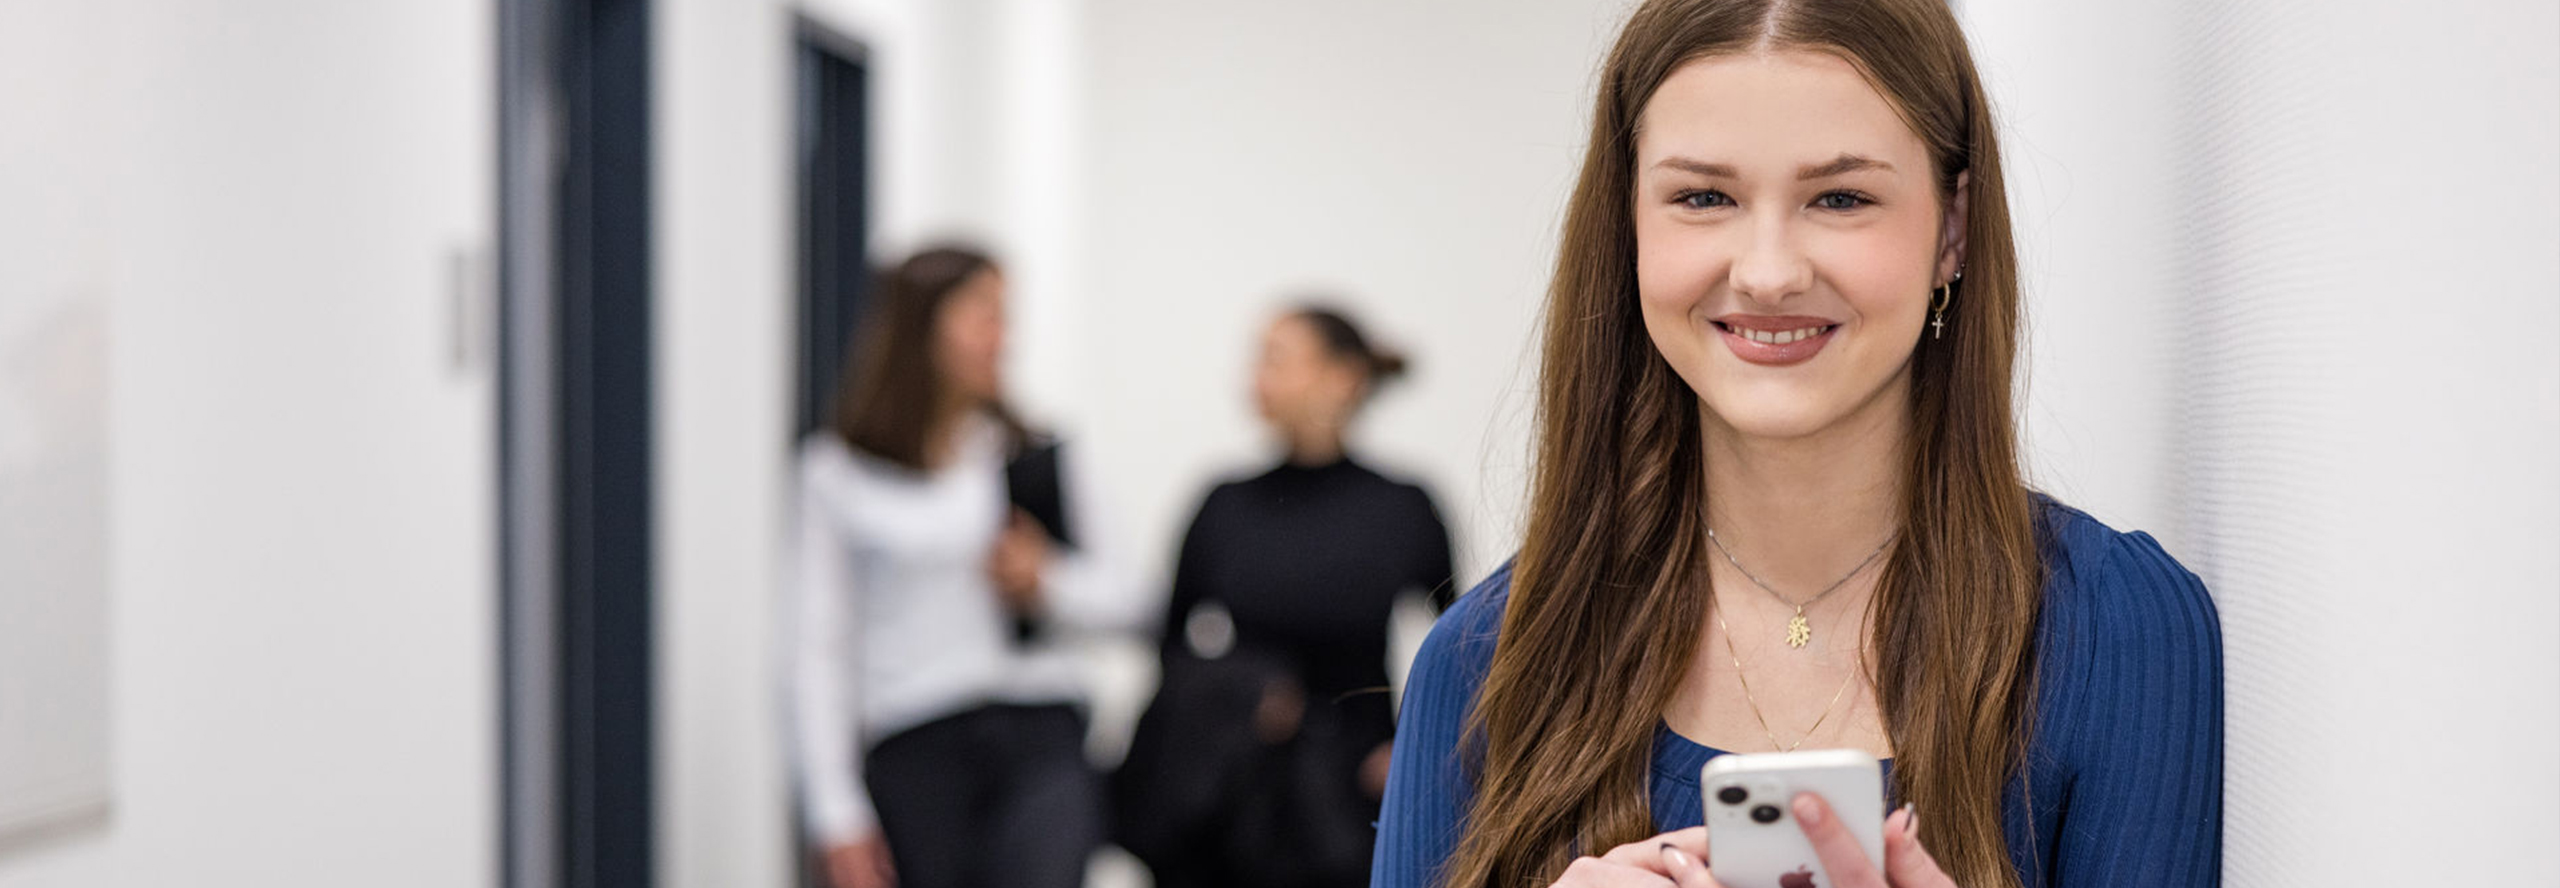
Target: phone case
x=1753, y=840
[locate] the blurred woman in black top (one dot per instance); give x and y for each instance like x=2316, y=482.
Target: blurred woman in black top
x=1263, y=757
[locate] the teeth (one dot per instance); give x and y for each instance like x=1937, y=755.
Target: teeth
x=1780, y=337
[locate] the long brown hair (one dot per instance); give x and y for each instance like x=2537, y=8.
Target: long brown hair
x=1608, y=595
x=891, y=388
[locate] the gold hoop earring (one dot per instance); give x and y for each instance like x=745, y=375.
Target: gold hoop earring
x=1946, y=294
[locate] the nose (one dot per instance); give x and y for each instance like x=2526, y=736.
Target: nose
x=1770, y=267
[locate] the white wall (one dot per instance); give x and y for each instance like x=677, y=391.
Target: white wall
x=724, y=236
x=2369, y=426
x=303, y=662
x=2089, y=148
x=2295, y=299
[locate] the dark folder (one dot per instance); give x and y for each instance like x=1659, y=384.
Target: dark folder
x=1031, y=482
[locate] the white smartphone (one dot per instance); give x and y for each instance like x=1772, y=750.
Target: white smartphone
x=1753, y=840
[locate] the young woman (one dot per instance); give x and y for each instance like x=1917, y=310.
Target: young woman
x=1777, y=504
x=1263, y=757
x=941, y=743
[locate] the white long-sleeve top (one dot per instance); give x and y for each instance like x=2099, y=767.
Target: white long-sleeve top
x=895, y=619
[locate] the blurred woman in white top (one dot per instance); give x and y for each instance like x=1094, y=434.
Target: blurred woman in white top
x=938, y=718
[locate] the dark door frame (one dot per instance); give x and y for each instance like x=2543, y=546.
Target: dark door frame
x=575, y=443
x=831, y=139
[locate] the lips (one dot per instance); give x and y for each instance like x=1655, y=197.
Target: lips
x=1774, y=340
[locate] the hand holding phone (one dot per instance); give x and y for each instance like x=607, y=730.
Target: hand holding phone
x=1779, y=820
x=1753, y=837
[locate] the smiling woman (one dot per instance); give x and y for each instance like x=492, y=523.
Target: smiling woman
x=1777, y=504
x=1783, y=180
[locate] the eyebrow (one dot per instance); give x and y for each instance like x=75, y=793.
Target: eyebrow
x=1845, y=163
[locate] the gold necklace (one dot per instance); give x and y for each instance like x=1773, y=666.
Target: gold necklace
x=1799, y=631
x=1755, y=702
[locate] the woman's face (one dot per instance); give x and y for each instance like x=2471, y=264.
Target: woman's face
x=1298, y=383
x=1788, y=235
x=969, y=338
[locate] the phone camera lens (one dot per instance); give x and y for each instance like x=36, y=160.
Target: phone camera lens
x=1765, y=814
x=1732, y=795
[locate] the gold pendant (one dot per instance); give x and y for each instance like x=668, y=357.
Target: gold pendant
x=1799, y=632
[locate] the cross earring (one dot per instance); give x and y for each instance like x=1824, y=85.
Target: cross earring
x=1946, y=294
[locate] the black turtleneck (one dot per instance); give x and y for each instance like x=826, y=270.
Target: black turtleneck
x=1308, y=561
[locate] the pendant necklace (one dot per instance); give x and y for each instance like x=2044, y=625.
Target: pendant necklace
x=1799, y=631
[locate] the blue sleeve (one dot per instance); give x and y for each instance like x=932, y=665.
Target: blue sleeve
x=1428, y=789
x=2144, y=806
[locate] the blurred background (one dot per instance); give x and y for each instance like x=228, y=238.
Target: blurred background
x=398, y=399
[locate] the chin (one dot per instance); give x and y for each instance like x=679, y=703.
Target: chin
x=1767, y=408
x=1756, y=418
x=1802, y=408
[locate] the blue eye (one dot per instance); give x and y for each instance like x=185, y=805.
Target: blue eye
x=1841, y=200
x=1703, y=200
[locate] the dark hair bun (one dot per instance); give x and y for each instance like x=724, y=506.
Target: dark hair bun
x=1385, y=366
x=1343, y=340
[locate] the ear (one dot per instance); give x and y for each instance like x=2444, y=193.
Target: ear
x=1951, y=229
x=1346, y=386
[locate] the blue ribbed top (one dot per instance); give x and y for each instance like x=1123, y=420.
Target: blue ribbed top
x=2125, y=757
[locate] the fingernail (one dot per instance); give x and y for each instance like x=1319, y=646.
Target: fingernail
x=1807, y=811
x=1678, y=859
x=1911, y=824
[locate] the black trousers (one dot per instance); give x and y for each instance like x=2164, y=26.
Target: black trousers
x=996, y=796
